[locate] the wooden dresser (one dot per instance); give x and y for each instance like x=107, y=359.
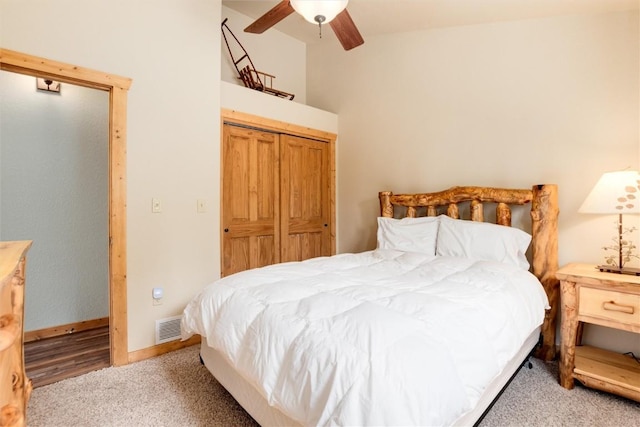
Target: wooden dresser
x=15, y=387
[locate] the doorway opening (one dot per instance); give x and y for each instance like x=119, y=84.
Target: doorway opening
x=117, y=88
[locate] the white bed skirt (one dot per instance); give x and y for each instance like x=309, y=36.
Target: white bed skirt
x=266, y=415
x=241, y=390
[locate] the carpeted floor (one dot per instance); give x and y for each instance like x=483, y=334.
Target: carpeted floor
x=176, y=390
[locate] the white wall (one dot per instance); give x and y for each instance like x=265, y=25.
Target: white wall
x=510, y=104
x=54, y=176
x=171, y=50
x=239, y=98
x=272, y=52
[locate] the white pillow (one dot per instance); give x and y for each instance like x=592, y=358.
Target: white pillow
x=408, y=234
x=482, y=240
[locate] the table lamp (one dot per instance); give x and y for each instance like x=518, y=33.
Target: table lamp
x=616, y=193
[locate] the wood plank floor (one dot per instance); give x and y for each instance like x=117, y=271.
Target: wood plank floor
x=53, y=359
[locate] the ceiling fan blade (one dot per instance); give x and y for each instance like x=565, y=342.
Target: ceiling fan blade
x=346, y=30
x=271, y=18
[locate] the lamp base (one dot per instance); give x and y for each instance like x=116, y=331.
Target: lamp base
x=618, y=270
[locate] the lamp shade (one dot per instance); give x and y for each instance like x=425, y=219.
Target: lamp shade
x=328, y=9
x=614, y=193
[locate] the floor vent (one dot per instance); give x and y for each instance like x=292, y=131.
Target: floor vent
x=168, y=329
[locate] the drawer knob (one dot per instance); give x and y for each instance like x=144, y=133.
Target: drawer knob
x=612, y=306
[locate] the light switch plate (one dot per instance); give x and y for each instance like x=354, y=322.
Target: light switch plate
x=156, y=205
x=201, y=205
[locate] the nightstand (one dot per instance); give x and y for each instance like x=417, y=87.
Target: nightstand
x=606, y=299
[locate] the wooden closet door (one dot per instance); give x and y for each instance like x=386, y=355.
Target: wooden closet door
x=304, y=211
x=250, y=199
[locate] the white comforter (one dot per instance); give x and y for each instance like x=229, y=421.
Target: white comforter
x=377, y=338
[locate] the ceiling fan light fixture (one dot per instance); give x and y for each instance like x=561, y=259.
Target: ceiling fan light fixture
x=319, y=11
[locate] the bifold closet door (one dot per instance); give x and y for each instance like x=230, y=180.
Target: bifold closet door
x=304, y=192
x=250, y=199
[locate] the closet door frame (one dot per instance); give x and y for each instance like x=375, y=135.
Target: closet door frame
x=244, y=119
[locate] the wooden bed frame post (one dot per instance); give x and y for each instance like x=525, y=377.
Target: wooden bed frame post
x=544, y=217
x=386, y=208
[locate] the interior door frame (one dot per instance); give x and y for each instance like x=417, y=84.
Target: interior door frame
x=117, y=87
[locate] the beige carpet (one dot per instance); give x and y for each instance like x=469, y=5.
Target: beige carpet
x=176, y=390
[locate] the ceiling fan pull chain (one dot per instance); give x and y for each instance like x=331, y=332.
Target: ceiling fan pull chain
x=320, y=19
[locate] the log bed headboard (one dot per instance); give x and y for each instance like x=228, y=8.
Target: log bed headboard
x=544, y=230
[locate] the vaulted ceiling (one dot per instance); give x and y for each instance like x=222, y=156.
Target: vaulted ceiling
x=376, y=17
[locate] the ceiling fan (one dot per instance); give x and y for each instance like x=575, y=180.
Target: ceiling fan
x=333, y=12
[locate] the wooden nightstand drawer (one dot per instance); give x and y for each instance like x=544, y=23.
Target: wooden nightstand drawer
x=610, y=305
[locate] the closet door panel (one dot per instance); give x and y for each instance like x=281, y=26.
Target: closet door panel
x=250, y=199
x=304, y=212
x=267, y=185
x=317, y=185
x=237, y=254
x=237, y=165
x=302, y=246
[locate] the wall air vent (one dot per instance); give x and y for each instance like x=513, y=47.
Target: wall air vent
x=168, y=329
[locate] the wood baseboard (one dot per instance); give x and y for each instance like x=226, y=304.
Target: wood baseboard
x=157, y=350
x=69, y=328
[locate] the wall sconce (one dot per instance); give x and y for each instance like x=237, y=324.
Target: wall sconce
x=47, y=85
x=616, y=193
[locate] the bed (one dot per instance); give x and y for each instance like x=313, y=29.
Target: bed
x=427, y=329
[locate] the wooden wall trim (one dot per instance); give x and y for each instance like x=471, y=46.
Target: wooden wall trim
x=275, y=125
x=117, y=87
x=69, y=328
x=41, y=67
x=160, y=349
x=118, y=226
